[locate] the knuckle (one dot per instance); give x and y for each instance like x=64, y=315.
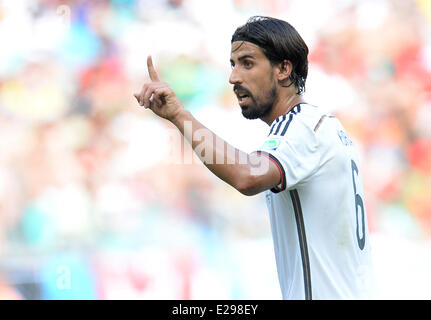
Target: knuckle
x=149, y=91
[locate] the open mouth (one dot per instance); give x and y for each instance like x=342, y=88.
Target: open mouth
x=243, y=97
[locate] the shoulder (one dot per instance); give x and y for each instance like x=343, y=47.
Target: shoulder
x=302, y=119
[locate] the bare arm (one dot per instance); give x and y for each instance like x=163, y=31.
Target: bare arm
x=250, y=174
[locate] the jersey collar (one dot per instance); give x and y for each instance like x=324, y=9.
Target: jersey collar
x=295, y=109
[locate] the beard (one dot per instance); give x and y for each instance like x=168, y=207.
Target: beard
x=260, y=107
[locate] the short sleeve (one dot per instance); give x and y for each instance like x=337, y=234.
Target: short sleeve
x=296, y=154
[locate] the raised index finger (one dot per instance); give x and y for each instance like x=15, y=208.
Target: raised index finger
x=151, y=71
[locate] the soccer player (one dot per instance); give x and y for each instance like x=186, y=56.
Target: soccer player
x=307, y=165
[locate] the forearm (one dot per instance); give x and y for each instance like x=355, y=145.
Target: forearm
x=249, y=174
x=226, y=162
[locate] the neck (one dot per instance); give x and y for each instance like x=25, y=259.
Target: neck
x=282, y=106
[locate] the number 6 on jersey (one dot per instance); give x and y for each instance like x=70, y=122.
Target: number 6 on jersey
x=358, y=203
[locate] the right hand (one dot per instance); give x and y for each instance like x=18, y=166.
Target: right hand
x=158, y=95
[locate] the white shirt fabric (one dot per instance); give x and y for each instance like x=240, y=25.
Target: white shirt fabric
x=317, y=213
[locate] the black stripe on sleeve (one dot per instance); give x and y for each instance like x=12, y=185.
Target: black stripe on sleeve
x=276, y=189
x=272, y=127
x=295, y=110
x=279, y=125
x=298, y=109
x=287, y=125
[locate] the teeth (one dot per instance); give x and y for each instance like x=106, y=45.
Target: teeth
x=241, y=95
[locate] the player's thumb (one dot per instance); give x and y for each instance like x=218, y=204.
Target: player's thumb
x=136, y=95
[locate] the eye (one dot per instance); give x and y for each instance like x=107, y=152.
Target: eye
x=248, y=64
x=232, y=64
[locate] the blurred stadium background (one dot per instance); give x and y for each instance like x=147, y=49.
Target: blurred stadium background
x=92, y=205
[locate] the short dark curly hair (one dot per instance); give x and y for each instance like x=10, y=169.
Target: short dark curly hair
x=279, y=41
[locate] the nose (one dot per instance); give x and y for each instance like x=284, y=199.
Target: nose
x=235, y=77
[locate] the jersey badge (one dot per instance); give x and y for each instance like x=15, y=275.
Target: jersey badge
x=271, y=144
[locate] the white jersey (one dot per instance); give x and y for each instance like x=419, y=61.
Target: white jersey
x=317, y=213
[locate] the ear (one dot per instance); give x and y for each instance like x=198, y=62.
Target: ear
x=284, y=69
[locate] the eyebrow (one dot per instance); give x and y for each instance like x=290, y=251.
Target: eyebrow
x=244, y=57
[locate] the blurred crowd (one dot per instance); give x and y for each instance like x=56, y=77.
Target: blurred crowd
x=95, y=202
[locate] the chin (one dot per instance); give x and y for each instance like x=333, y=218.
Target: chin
x=249, y=114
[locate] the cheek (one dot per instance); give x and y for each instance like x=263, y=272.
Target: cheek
x=260, y=84
x=265, y=90
x=257, y=85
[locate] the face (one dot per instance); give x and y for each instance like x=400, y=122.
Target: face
x=253, y=80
